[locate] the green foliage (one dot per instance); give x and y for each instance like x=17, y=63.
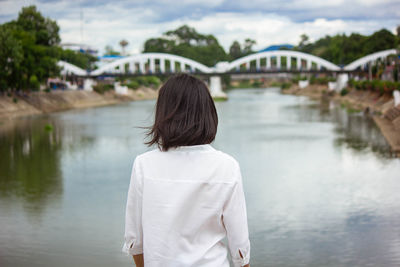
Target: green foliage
x=44, y=29
x=101, y=88
x=147, y=81
x=376, y=85
x=344, y=91
x=285, y=85
x=28, y=48
x=237, y=51
x=298, y=78
x=257, y=84
x=82, y=60
x=48, y=127
x=282, y=85
x=133, y=84
x=342, y=49
x=321, y=80
x=187, y=42
x=34, y=83
x=11, y=56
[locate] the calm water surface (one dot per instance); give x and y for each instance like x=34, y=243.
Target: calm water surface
x=321, y=187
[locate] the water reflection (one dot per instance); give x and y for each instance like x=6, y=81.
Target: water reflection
x=30, y=162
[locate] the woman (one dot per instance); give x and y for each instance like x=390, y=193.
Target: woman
x=185, y=196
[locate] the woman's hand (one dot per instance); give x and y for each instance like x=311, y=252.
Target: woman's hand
x=139, y=262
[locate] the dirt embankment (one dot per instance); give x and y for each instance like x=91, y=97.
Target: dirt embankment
x=43, y=102
x=385, y=114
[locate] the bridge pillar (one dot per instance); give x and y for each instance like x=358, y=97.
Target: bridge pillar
x=258, y=64
x=122, y=68
x=162, y=65
x=141, y=67
x=278, y=62
x=288, y=62
x=309, y=64
x=247, y=65
x=268, y=59
x=152, y=65
x=172, y=65
x=132, y=67
x=216, y=87
x=341, y=81
x=298, y=63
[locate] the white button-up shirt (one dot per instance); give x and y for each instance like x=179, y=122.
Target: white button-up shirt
x=181, y=205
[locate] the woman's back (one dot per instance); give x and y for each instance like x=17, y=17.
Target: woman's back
x=185, y=196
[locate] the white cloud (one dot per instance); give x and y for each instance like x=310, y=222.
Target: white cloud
x=137, y=21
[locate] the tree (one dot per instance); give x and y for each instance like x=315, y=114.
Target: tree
x=29, y=44
x=187, y=42
x=303, y=40
x=45, y=29
x=380, y=40
x=123, y=44
x=82, y=60
x=398, y=31
x=342, y=49
x=10, y=57
x=235, y=51
x=248, y=46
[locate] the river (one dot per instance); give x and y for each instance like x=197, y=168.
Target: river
x=321, y=186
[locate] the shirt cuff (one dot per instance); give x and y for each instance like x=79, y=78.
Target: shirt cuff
x=129, y=248
x=239, y=261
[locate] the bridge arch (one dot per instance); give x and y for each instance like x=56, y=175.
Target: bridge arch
x=302, y=61
x=147, y=63
x=68, y=69
x=369, y=58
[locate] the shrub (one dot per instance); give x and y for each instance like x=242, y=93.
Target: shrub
x=101, y=88
x=257, y=84
x=133, y=85
x=153, y=80
x=34, y=83
x=285, y=85
x=344, y=92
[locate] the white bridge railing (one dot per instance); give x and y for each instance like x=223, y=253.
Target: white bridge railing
x=148, y=63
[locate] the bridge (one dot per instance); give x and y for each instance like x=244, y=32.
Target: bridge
x=269, y=61
x=263, y=62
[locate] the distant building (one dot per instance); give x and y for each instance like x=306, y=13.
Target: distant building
x=277, y=47
x=80, y=48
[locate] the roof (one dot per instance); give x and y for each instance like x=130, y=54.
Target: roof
x=277, y=47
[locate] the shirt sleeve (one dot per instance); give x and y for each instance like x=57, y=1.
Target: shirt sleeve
x=133, y=215
x=235, y=221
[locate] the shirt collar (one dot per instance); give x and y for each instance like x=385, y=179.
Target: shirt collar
x=204, y=147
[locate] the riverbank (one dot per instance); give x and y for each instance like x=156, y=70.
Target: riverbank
x=34, y=103
x=380, y=107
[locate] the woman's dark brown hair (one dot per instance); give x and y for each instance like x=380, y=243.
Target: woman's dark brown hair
x=185, y=114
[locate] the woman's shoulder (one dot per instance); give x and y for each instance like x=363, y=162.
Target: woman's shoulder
x=206, y=151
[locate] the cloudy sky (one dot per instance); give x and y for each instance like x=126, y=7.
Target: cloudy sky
x=268, y=22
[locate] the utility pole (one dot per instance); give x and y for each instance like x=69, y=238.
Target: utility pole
x=81, y=27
